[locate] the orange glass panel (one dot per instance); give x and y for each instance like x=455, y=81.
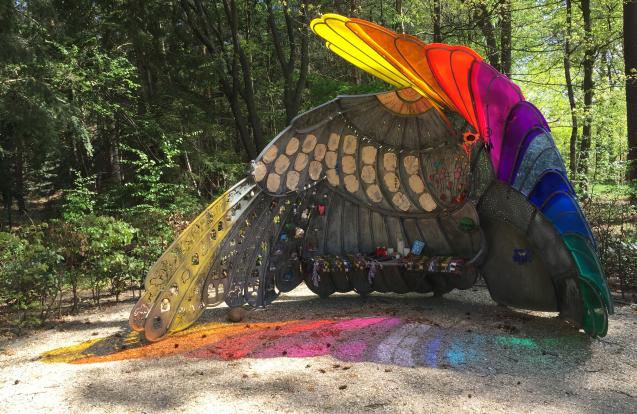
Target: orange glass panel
x=452, y=66
x=462, y=63
x=439, y=60
x=387, y=42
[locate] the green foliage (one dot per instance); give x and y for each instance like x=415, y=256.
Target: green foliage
x=614, y=224
x=29, y=281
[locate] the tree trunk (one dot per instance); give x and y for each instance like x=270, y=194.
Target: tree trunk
x=630, y=59
x=292, y=89
x=572, y=154
x=19, y=187
x=587, y=86
x=116, y=168
x=505, y=37
x=488, y=31
x=5, y=186
x=400, y=26
x=437, y=19
x=213, y=27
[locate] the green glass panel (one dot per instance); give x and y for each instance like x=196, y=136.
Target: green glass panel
x=595, y=316
x=589, y=266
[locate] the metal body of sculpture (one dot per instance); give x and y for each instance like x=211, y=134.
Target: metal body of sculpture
x=454, y=164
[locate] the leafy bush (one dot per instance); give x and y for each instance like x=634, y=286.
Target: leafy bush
x=614, y=224
x=29, y=281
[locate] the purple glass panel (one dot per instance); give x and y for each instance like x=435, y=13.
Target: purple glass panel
x=495, y=96
x=523, y=118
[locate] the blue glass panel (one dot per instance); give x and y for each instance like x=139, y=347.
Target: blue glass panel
x=572, y=222
x=541, y=155
x=549, y=183
x=537, y=141
x=565, y=214
x=549, y=160
x=528, y=140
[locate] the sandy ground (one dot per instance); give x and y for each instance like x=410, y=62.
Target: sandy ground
x=487, y=359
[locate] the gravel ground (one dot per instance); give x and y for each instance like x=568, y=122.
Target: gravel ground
x=461, y=353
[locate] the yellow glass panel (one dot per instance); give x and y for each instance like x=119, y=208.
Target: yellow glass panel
x=177, y=301
x=348, y=45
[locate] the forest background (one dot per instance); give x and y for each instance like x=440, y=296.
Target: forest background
x=121, y=119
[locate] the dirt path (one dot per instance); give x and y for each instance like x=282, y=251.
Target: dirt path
x=390, y=354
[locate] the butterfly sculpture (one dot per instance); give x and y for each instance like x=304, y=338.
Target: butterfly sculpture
x=422, y=188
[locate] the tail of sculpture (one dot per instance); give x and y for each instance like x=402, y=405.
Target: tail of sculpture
x=186, y=278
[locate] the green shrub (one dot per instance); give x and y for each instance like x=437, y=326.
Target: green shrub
x=29, y=277
x=614, y=224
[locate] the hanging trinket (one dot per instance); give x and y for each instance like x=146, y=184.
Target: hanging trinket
x=299, y=233
x=321, y=209
x=276, y=219
x=284, y=237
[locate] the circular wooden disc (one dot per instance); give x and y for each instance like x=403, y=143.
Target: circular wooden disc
x=368, y=154
x=281, y=164
x=332, y=142
x=270, y=154
x=391, y=182
x=350, y=142
x=416, y=184
x=333, y=178
x=330, y=159
x=315, y=170
x=401, y=201
x=293, y=146
x=368, y=174
x=389, y=161
x=300, y=162
x=292, y=180
x=309, y=143
x=374, y=194
x=351, y=183
x=274, y=182
x=349, y=164
x=319, y=152
x=260, y=170
x=411, y=164
x=427, y=202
